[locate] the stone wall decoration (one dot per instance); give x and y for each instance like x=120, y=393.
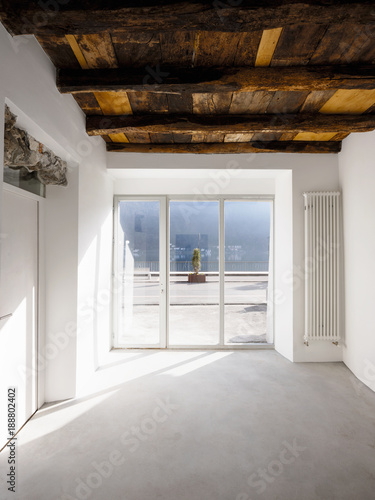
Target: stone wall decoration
x=23, y=152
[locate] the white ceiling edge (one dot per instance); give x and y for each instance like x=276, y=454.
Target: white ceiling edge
x=182, y=173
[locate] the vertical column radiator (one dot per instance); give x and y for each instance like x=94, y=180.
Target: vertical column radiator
x=322, y=264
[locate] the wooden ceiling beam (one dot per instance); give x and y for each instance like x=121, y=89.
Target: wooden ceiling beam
x=229, y=124
x=54, y=17
x=230, y=147
x=210, y=80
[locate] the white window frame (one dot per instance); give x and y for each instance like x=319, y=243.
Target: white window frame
x=164, y=253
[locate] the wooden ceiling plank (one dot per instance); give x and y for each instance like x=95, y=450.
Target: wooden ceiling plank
x=88, y=103
x=180, y=103
x=267, y=46
x=98, y=50
x=363, y=49
x=357, y=45
x=238, y=137
x=214, y=137
x=182, y=138
x=138, y=50
x=59, y=51
x=80, y=17
x=288, y=136
x=198, y=137
x=340, y=136
x=349, y=102
x=218, y=103
x=161, y=138
x=267, y=136
x=328, y=51
x=247, y=49
x=107, y=138
x=250, y=102
x=214, y=80
x=230, y=124
x=148, y=102
x=177, y=48
x=216, y=49
x=315, y=100
x=286, y=102
x=352, y=45
x=138, y=138
x=323, y=147
x=297, y=43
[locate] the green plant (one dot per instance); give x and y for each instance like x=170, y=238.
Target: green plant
x=196, y=260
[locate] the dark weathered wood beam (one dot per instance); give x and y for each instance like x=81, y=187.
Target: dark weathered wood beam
x=195, y=80
x=48, y=17
x=229, y=124
x=231, y=147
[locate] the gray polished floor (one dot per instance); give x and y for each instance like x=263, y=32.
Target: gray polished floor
x=203, y=425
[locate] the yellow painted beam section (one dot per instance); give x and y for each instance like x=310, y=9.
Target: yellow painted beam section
x=114, y=103
x=312, y=136
x=354, y=102
x=267, y=46
x=118, y=138
x=196, y=48
x=77, y=51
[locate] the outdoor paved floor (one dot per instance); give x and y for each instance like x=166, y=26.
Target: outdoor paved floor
x=194, y=311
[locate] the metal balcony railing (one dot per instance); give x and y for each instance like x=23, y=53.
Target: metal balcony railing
x=184, y=266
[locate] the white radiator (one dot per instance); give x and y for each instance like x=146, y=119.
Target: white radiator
x=322, y=264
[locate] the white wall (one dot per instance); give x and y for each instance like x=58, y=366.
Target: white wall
x=250, y=174
x=283, y=293
x=316, y=175
x=198, y=183
x=357, y=179
x=95, y=267
x=74, y=217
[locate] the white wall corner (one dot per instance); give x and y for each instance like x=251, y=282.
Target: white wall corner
x=357, y=182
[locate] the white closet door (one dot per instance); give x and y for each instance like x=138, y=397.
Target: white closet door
x=18, y=306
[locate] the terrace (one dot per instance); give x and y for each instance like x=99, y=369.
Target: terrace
x=194, y=308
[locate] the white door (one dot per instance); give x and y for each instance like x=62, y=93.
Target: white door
x=18, y=307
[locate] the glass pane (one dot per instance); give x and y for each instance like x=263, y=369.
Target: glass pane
x=24, y=179
x=194, y=314
x=247, y=242
x=138, y=279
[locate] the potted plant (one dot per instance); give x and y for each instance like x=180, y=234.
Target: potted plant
x=196, y=263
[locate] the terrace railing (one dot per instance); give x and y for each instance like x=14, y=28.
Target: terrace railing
x=184, y=266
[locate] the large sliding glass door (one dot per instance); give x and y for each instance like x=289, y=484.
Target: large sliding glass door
x=193, y=273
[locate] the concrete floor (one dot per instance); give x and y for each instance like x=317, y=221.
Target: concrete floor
x=203, y=425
